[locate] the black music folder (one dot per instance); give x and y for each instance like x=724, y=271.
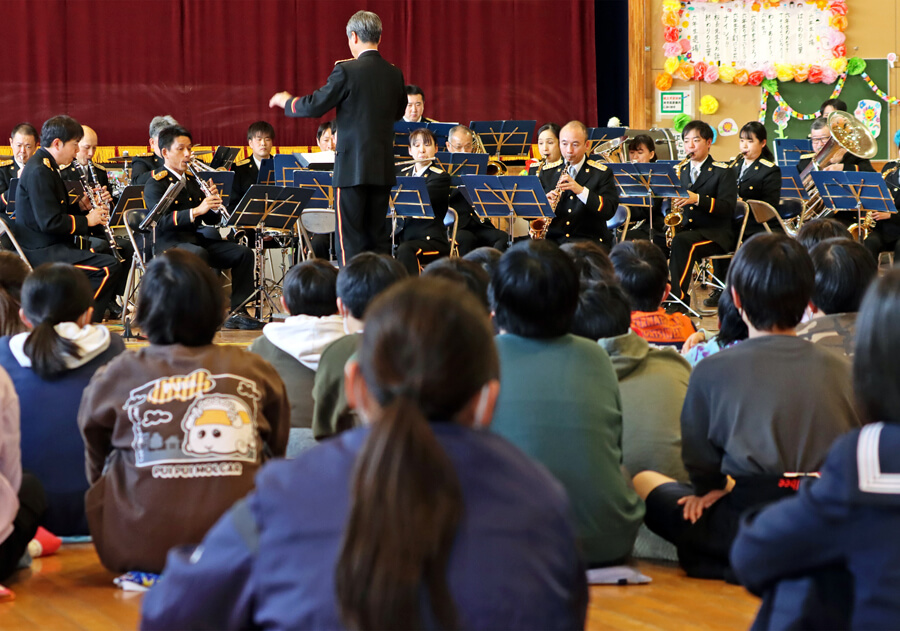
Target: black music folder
x=266, y=175
x=224, y=157
x=276, y=207
x=132, y=198
x=459, y=164
x=507, y=196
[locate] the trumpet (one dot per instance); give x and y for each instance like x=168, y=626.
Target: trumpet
x=93, y=194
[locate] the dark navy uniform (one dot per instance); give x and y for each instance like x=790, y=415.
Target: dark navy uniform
x=473, y=231
x=886, y=234
x=369, y=96
x=425, y=237
x=176, y=228
x=760, y=181
x=576, y=221
x=246, y=173
x=8, y=170
x=142, y=167
x=850, y=162
x=99, y=241
x=707, y=228
x=47, y=224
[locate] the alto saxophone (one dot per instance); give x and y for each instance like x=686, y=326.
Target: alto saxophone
x=539, y=227
x=675, y=216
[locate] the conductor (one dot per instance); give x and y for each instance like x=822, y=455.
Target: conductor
x=369, y=95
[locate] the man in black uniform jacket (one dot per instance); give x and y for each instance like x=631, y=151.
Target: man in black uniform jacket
x=842, y=161
x=46, y=224
x=24, y=142
x=370, y=97
x=178, y=226
x=424, y=237
x=587, y=196
x=708, y=211
x=260, y=138
x=143, y=166
x=415, y=106
x=472, y=231
x=885, y=236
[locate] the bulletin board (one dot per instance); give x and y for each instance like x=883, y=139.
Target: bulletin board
x=807, y=97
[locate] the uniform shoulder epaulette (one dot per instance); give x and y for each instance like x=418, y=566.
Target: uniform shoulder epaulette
x=5, y=163
x=767, y=163
x=241, y=163
x=597, y=165
x=721, y=165
x=65, y=166
x=808, y=156
x=100, y=166
x=47, y=163
x=340, y=61
x=436, y=169
x=143, y=155
x=553, y=165
x=160, y=175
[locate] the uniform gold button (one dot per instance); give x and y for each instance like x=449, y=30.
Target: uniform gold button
x=567, y=236
x=568, y=222
x=751, y=188
x=690, y=221
x=570, y=210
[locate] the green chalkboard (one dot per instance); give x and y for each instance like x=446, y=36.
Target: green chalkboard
x=807, y=97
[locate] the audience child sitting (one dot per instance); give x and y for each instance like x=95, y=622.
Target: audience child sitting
x=364, y=277
x=844, y=270
x=652, y=382
x=591, y=260
x=559, y=400
x=51, y=364
x=176, y=432
x=484, y=256
x=828, y=557
x=12, y=274
x=22, y=501
x=294, y=346
x=770, y=406
x=468, y=273
x=732, y=329
x=417, y=520
x=815, y=231
x=644, y=275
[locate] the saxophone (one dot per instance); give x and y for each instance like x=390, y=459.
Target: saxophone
x=539, y=227
x=675, y=216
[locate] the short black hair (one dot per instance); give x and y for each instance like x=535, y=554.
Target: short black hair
x=425, y=133
x=62, y=127
x=703, y=129
x=838, y=104
x=364, y=277
x=815, y=231
x=168, y=135
x=485, y=256
x=774, y=278
x=26, y=129
x=642, y=271
x=732, y=327
x=310, y=288
x=643, y=140
x=553, y=128
x=844, y=271
x=603, y=311
x=877, y=349
x=534, y=290
x=413, y=90
x=260, y=128
x=591, y=260
x=468, y=273
x=323, y=127
x=180, y=300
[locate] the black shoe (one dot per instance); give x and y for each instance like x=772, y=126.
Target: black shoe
x=243, y=322
x=677, y=307
x=713, y=300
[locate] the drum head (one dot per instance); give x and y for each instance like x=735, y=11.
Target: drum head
x=318, y=221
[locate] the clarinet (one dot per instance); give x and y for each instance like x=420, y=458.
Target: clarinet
x=97, y=202
x=208, y=193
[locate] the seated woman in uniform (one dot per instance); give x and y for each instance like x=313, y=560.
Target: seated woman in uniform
x=420, y=519
x=51, y=364
x=551, y=157
x=642, y=150
x=423, y=240
x=175, y=432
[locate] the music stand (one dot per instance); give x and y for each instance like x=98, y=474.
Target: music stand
x=132, y=198
x=266, y=175
x=789, y=150
x=318, y=161
x=168, y=198
x=459, y=164
x=403, y=129
x=505, y=138
x=409, y=200
x=224, y=157
x=267, y=209
x=791, y=184
x=599, y=135
x=633, y=189
x=285, y=164
x=507, y=196
x=322, y=200
x=860, y=192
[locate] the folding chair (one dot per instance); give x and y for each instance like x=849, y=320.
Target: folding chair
x=705, y=275
x=452, y=221
x=7, y=230
x=764, y=212
x=315, y=221
x=133, y=219
x=621, y=220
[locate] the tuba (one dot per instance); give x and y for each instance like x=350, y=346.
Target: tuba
x=495, y=166
x=847, y=134
x=611, y=150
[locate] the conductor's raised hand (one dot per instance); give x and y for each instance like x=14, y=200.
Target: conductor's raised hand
x=280, y=100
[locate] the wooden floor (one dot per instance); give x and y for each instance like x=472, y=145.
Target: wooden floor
x=71, y=591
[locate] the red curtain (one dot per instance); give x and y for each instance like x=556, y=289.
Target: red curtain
x=213, y=64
